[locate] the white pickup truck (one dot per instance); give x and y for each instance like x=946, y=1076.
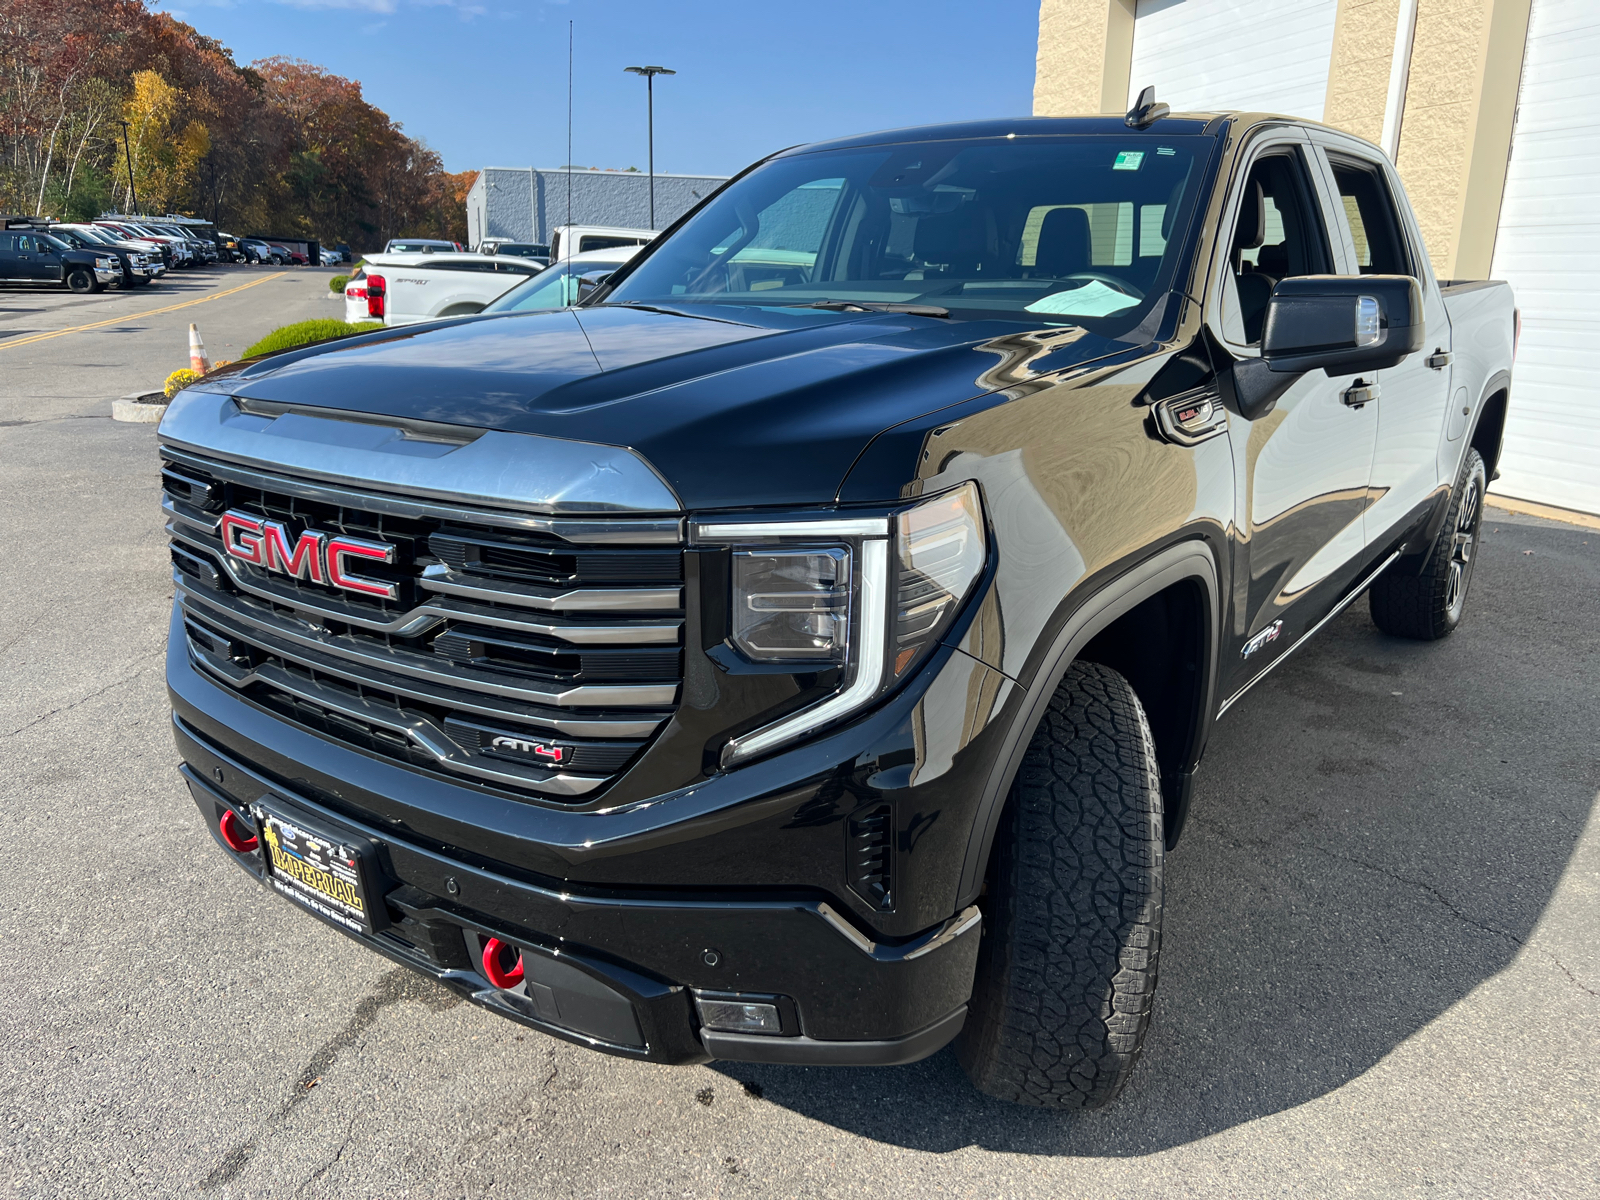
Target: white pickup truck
x=402, y=289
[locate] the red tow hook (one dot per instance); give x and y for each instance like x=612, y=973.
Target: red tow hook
x=238, y=838
x=494, y=951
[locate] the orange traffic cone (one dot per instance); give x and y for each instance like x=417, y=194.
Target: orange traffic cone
x=197, y=351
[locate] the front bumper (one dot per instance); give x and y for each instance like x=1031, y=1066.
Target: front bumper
x=108, y=274
x=603, y=956
x=857, y=997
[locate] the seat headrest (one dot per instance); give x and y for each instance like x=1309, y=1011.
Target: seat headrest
x=958, y=240
x=1064, y=245
x=1252, y=228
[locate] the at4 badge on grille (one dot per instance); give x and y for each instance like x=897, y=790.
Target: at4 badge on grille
x=314, y=556
x=547, y=753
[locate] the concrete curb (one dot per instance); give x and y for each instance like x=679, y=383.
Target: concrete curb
x=143, y=407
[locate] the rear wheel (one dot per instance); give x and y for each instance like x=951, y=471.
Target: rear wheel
x=1072, y=917
x=82, y=281
x=1428, y=605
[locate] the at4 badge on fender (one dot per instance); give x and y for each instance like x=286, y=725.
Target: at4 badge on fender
x=313, y=556
x=1265, y=638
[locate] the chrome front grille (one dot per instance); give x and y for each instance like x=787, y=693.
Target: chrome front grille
x=539, y=654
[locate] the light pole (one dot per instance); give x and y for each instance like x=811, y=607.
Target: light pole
x=650, y=74
x=128, y=154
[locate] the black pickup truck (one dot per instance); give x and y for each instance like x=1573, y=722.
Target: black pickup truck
x=30, y=254
x=803, y=650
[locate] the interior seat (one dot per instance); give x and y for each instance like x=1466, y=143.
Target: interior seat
x=957, y=241
x=1255, y=288
x=1064, y=244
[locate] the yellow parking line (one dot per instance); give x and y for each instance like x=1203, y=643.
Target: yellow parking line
x=126, y=317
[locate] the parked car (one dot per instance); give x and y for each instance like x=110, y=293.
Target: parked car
x=288, y=254
x=532, y=250
x=565, y=283
x=182, y=254
x=134, y=261
x=569, y=240
x=256, y=251
x=29, y=255
x=402, y=289
x=802, y=650
x=160, y=250
x=230, y=246
x=421, y=246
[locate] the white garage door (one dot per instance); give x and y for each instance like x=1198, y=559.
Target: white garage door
x=1549, y=248
x=1249, y=55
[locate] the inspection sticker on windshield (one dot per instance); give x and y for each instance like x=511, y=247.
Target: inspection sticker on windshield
x=1128, y=160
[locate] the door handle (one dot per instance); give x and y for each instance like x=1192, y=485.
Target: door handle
x=1360, y=392
x=1438, y=360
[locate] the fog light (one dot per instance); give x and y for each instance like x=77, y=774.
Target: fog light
x=739, y=1016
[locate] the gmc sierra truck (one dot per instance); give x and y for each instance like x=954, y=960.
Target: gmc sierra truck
x=803, y=649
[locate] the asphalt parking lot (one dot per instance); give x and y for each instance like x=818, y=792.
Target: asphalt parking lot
x=1380, y=972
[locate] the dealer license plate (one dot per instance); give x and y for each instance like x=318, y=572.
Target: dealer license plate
x=317, y=867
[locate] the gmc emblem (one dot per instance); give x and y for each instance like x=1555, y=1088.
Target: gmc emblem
x=315, y=556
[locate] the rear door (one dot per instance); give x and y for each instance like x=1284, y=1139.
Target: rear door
x=1303, y=468
x=1371, y=237
x=28, y=263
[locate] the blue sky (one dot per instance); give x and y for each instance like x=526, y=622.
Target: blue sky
x=485, y=82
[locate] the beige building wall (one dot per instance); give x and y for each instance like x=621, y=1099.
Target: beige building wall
x=1085, y=54
x=1456, y=121
x=1358, y=77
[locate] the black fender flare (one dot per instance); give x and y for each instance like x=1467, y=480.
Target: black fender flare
x=1187, y=560
x=1500, y=381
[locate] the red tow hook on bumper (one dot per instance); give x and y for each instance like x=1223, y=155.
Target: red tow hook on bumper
x=239, y=839
x=494, y=952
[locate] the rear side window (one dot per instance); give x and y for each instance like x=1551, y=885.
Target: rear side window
x=1370, y=216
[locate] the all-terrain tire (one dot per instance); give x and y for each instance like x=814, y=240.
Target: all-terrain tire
x=1072, y=915
x=1428, y=605
x=82, y=281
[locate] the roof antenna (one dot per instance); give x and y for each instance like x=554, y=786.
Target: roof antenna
x=1146, y=112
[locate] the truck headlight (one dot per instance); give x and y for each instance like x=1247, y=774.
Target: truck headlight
x=870, y=595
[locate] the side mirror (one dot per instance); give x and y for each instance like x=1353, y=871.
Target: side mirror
x=1342, y=323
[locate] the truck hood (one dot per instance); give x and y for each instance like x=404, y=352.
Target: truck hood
x=735, y=408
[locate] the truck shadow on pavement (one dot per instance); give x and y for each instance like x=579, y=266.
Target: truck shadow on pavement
x=1376, y=831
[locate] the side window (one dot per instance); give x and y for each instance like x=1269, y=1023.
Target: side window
x=25, y=244
x=1278, y=235
x=1370, y=216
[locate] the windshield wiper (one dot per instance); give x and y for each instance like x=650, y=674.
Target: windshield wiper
x=914, y=310
x=671, y=312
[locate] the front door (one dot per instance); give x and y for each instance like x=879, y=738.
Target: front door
x=1303, y=468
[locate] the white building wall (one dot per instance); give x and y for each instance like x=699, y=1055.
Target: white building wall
x=1245, y=55
x=1548, y=248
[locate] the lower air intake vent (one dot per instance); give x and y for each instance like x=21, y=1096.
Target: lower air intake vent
x=871, y=855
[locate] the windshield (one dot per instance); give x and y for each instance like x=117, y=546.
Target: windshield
x=554, y=287
x=1071, y=230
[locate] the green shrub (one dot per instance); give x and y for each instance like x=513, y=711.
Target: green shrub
x=336, y=284
x=306, y=333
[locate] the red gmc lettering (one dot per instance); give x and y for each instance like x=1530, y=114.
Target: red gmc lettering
x=340, y=548
x=303, y=562
x=241, y=537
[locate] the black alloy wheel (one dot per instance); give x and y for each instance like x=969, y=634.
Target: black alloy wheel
x=1429, y=604
x=82, y=281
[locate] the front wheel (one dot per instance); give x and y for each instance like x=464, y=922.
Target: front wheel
x=1428, y=605
x=1072, y=917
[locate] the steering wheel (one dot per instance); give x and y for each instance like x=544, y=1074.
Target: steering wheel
x=1111, y=281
